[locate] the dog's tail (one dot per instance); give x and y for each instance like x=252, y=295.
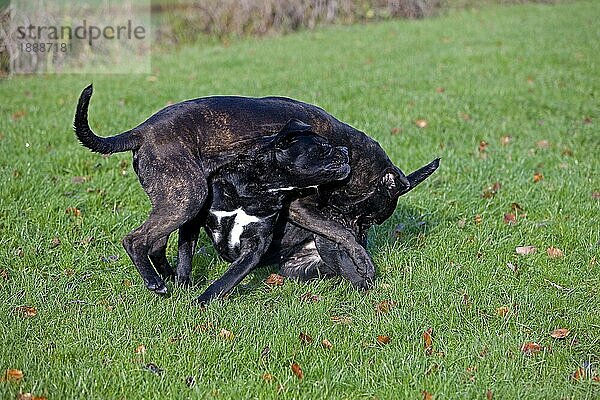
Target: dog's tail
x=125, y=141
x=421, y=174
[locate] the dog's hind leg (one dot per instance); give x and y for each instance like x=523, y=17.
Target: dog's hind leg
x=188, y=237
x=158, y=257
x=172, y=206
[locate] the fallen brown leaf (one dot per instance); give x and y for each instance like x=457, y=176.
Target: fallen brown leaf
x=491, y=190
x=440, y=89
x=428, y=341
x=27, y=311
x=477, y=219
x=13, y=375
x=421, y=123
x=327, y=344
x=341, y=319
x=3, y=274
x=464, y=116
x=554, y=252
x=55, y=242
x=305, y=338
x=86, y=240
x=383, y=339
x=225, y=334
x=395, y=131
x=579, y=374
x=542, y=144
x=310, y=298
x=141, y=349
x=489, y=395
x=29, y=396
x=531, y=348
x=274, y=280
x=538, y=176
x=267, y=377
x=297, y=371
x=502, y=311
x=505, y=140
x=510, y=219
x=385, y=306
x=526, y=250
x=74, y=211
x=17, y=115
x=483, y=145
x=426, y=395
x=560, y=333
x=596, y=195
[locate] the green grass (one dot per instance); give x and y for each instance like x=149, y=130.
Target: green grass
x=530, y=72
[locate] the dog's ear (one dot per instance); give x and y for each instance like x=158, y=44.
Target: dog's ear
x=394, y=183
x=294, y=127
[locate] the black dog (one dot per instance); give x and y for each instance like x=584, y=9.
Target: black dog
x=177, y=149
x=248, y=194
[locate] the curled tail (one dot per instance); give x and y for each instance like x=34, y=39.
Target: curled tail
x=125, y=141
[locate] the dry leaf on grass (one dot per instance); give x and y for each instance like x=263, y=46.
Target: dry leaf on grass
x=560, y=333
x=74, y=211
x=326, y=344
x=225, y=334
x=502, y=311
x=385, y=306
x=510, y=219
x=267, y=377
x=491, y=190
x=29, y=396
x=428, y=341
x=274, y=280
x=421, y=123
x=526, y=250
x=426, y=395
x=54, y=243
x=538, y=176
x=383, y=339
x=17, y=115
x=554, y=252
x=305, y=338
x=12, y=375
x=596, y=195
x=297, y=371
x=477, y=219
x=141, y=349
x=341, y=319
x=505, y=140
x=308, y=297
x=489, y=395
x=542, y=144
x=531, y=348
x=26, y=311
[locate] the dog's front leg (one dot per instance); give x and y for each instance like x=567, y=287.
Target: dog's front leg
x=309, y=218
x=338, y=259
x=252, y=250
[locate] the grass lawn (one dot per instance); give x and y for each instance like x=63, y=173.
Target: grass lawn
x=525, y=80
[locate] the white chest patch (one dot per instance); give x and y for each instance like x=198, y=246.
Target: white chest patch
x=241, y=220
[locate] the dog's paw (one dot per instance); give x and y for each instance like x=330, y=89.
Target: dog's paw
x=183, y=281
x=157, y=286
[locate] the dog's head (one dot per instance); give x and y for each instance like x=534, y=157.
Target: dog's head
x=307, y=159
